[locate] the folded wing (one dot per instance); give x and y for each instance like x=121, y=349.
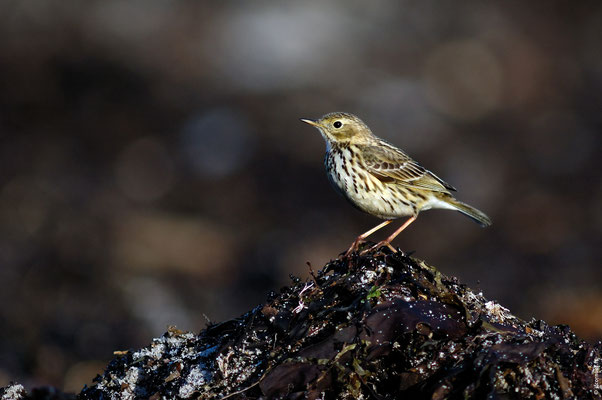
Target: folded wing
x=389, y=164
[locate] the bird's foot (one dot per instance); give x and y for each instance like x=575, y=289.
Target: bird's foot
x=377, y=246
x=354, y=247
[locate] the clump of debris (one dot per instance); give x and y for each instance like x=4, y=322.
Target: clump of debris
x=382, y=325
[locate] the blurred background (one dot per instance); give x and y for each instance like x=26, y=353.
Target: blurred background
x=153, y=170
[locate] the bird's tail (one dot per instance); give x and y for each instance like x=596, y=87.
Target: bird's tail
x=478, y=216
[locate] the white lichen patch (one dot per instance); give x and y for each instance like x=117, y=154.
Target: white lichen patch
x=177, y=342
x=368, y=277
x=384, y=268
x=154, y=351
x=129, y=384
x=471, y=297
x=237, y=365
x=198, y=376
x=126, y=387
x=223, y=361
x=497, y=312
x=172, y=346
x=15, y=391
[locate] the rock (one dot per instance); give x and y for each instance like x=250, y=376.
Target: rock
x=378, y=326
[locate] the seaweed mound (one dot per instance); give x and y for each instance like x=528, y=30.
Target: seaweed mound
x=380, y=326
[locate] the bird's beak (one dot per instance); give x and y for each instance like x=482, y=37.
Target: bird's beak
x=310, y=122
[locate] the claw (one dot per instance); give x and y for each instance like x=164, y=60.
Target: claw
x=360, y=239
x=354, y=246
x=378, y=246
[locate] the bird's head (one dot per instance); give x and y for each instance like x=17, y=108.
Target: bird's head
x=341, y=128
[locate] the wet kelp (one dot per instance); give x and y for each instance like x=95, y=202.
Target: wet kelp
x=377, y=326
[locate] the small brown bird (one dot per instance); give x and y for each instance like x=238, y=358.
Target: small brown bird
x=380, y=179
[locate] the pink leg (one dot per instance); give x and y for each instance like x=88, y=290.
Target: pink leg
x=387, y=241
x=364, y=235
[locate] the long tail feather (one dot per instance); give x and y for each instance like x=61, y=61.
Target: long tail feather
x=478, y=216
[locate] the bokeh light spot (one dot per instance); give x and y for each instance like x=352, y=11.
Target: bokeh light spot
x=216, y=143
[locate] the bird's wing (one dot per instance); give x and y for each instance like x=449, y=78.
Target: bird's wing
x=389, y=164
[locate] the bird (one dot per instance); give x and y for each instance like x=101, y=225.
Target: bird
x=381, y=179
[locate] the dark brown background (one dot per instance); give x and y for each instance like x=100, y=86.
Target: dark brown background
x=153, y=169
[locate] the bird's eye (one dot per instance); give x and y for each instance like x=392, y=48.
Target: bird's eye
x=337, y=124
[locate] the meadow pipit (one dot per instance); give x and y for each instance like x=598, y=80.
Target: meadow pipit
x=380, y=179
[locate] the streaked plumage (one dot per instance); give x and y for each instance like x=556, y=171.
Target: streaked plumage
x=380, y=179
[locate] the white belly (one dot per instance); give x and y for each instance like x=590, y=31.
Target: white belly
x=370, y=195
